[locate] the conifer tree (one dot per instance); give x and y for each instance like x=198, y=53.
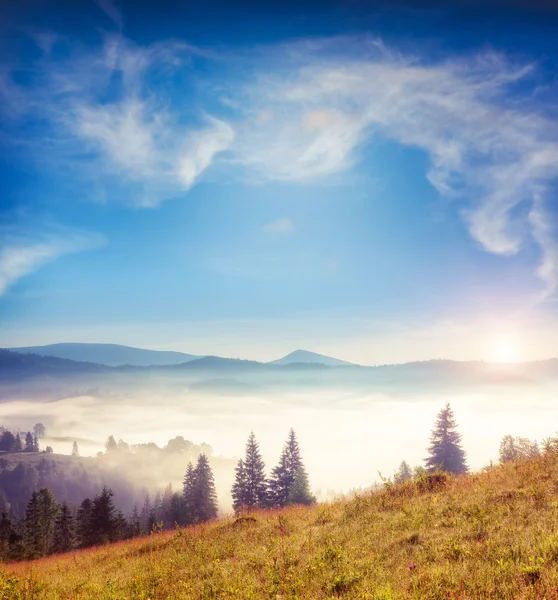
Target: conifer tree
x=189, y=494
x=64, y=530
x=283, y=477
x=445, y=445
x=238, y=491
x=75, y=450
x=146, y=512
x=299, y=492
x=29, y=442
x=253, y=488
x=205, y=496
x=40, y=518
x=103, y=517
x=18, y=443
x=84, y=524
x=134, y=524
x=35, y=444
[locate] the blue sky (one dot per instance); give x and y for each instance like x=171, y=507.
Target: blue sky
x=374, y=183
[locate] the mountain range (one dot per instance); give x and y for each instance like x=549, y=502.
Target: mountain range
x=115, y=355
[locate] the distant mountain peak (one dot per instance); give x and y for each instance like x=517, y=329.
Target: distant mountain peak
x=301, y=356
x=112, y=355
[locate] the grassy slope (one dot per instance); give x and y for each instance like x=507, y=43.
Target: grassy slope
x=489, y=535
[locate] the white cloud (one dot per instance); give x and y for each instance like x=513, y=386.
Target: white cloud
x=487, y=146
x=22, y=254
x=281, y=226
x=112, y=120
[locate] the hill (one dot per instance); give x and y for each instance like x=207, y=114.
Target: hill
x=304, y=356
x=112, y=355
x=490, y=535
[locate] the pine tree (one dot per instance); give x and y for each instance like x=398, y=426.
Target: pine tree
x=299, y=492
x=445, y=445
x=29, y=442
x=84, y=524
x=134, y=523
x=64, y=531
x=189, y=494
x=36, y=444
x=254, y=487
x=75, y=450
x=146, y=512
x=103, y=517
x=205, y=496
x=238, y=491
x=18, y=443
x=283, y=476
x=40, y=517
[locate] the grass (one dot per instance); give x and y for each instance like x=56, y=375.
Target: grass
x=490, y=535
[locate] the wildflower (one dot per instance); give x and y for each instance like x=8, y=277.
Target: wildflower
x=412, y=567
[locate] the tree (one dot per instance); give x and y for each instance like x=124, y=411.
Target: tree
x=513, y=449
x=49, y=450
x=40, y=518
x=103, y=517
x=299, y=492
x=254, y=486
x=8, y=441
x=64, y=531
x=445, y=445
x=239, y=493
x=283, y=476
x=189, y=493
x=29, y=442
x=75, y=450
x=404, y=473
x=110, y=444
x=39, y=430
x=84, y=524
x=36, y=444
x=200, y=497
x=18, y=444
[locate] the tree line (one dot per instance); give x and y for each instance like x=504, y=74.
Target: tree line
x=288, y=483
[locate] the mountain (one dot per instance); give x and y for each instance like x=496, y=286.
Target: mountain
x=306, y=357
x=112, y=355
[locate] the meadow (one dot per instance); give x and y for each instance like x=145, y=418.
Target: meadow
x=487, y=535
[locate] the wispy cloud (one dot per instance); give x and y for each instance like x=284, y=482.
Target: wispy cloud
x=489, y=145
x=280, y=226
x=22, y=253
x=109, y=8
x=111, y=119
x=300, y=113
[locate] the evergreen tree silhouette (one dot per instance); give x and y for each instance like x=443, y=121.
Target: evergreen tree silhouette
x=64, y=530
x=205, y=496
x=283, y=477
x=251, y=484
x=445, y=445
x=84, y=524
x=239, y=493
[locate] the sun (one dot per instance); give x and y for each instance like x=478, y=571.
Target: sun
x=504, y=350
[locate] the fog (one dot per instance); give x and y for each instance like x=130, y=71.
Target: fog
x=347, y=436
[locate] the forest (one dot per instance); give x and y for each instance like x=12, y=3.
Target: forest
x=46, y=509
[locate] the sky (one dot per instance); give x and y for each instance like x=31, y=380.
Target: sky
x=376, y=182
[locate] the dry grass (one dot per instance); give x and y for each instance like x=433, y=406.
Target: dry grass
x=492, y=535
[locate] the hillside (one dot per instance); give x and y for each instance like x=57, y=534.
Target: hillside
x=490, y=535
x=112, y=355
